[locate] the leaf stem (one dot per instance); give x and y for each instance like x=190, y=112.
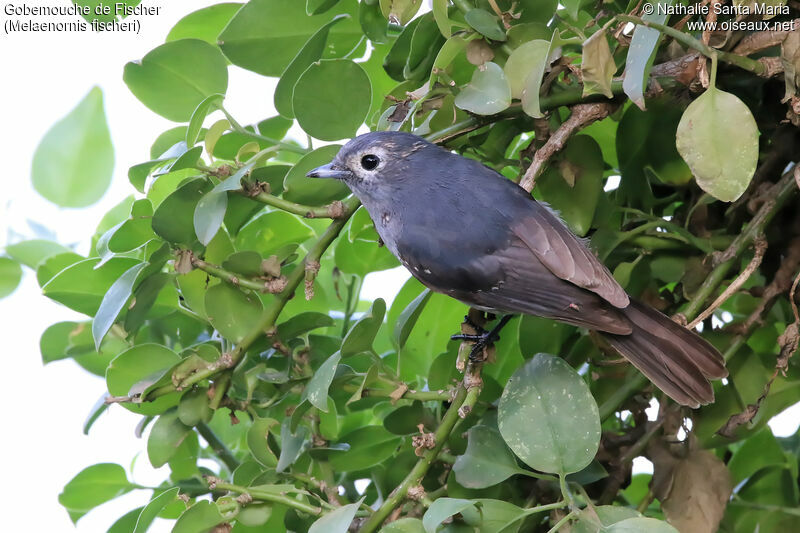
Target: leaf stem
x=563, y=521
x=221, y=451
x=307, y=211
x=238, y=128
x=268, y=496
x=742, y=62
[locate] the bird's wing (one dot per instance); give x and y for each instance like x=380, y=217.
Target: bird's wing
x=527, y=286
x=565, y=255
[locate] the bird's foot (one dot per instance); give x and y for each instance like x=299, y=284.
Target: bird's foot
x=478, y=336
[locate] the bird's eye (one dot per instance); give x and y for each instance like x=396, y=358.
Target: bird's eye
x=370, y=162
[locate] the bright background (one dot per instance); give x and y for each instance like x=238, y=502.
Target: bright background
x=44, y=75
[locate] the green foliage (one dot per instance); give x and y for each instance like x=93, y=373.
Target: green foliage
x=197, y=318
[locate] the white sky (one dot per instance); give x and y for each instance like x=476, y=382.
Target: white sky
x=44, y=75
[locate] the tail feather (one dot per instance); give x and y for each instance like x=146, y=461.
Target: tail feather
x=675, y=359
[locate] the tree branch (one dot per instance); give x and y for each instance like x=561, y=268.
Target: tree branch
x=270, y=315
x=333, y=210
x=465, y=398
x=222, y=451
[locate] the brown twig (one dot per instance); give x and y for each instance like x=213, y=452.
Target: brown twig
x=744, y=275
x=582, y=115
x=755, y=42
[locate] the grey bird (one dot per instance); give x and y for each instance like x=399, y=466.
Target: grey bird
x=464, y=230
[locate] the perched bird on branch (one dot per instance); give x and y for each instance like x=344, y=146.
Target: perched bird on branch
x=466, y=231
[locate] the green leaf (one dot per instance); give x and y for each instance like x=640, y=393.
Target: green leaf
x=641, y=524
x=361, y=336
x=154, y=508
x=316, y=392
x=718, y=138
x=373, y=23
x=487, y=461
x=173, y=220
x=232, y=312
x=404, y=525
x=607, y=515
x=269, y=232
x=316, y=7
x=312, y=51
x=293, y=444
x=441, y=17
x=208, y=105
x=167, y=434
x=257, y=441
x=265, y=35
x=83, y=285
x=336, y=521
x=137, y=364
x=486, y=24
x=53, y=265
x=489, y=516
x=442, y=509
x=597, y=65
x=759, y=451
x=487, y=93
x=641, y=54
x=93, y=486
x=204, y=24
x=302, y=323
x=548, y=417
x=369, y=446
x=320, y=111
x=126, y=522
x=408, y=318
x=193, y=407
x=174, y=78
x=399, y=11
x=73, y=163
x=308, y=191
x=113, y=302
x=199, y=518
x=32, y=252
x=524, y=61
x=10, y=276
x=573, y=185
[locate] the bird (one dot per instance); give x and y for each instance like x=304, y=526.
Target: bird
x=464, y=230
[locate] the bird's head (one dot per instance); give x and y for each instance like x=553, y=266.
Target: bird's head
x=377, y=161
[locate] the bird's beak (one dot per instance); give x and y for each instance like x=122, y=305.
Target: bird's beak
x=329, y=171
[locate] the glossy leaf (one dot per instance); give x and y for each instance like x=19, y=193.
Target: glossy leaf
x=82, y=285
x=487, y=93
x=265, y=35
x=232, y=312
x=257, y=441
x=199, y=518
x=362, y=334
x=141, y=363
x=151, y=511
x=408, y=318
x=485, y=23
x=641, y=53
x=208, y=105
x=10, y=276
x=548, y=417
x=487, y=461
x=204, y=24
x=400, y=11
x=369, y=446
x=442, y=509
x=316, y=392
x=174, y=78
x=93, y=486
x=73, y=163
x=311, y=191
x=293, y=444
x=32, y=252
x=167, y=434
x=312, y=51
x=319, y=111
x=113, y=302
x=336, y=521
x=173, y=220
x=718, y=138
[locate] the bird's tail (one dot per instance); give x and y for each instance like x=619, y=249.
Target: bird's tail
x=675, y=359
